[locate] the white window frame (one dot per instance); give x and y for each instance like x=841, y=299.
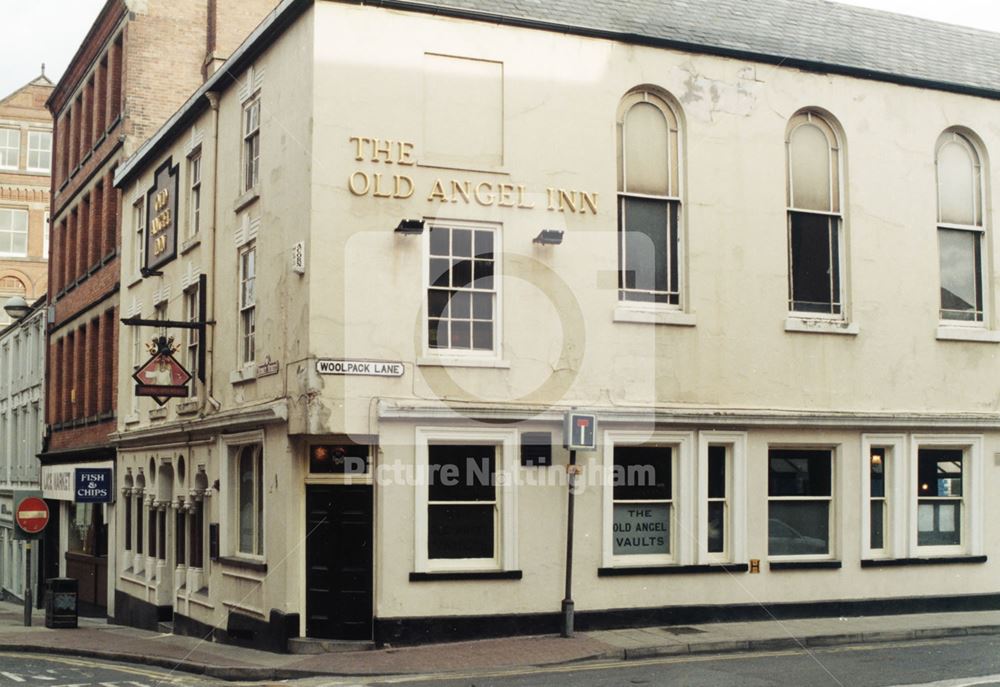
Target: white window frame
x=978, y=229
x=40, y=150
x=972, y=493
x=192, y=341
x=229, y=536
x=834, y=526
x=250, y=144
x=507, y=465
x=194, y=193
x=682, y=532
x=896, y=476
x=27, y=231
x=460, y=356
x=675, y=143
x=5, y=146
x=247, y=309
x=736, y=496
x=839, y=216
x=139, y=235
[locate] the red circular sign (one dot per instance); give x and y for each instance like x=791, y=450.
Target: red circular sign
x=32, y=515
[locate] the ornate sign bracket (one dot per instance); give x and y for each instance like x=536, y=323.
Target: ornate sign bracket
x=199, y=325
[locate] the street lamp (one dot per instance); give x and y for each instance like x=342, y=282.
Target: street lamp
x=16, y=307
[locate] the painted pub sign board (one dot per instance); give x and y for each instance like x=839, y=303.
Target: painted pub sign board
x=161, y=218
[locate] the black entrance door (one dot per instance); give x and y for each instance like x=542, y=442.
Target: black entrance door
x=339, y=562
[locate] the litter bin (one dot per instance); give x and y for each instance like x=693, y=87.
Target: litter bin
x=60, y=602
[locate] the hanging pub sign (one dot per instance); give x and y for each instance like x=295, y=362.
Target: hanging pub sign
x=162, y=377
x=161, y=218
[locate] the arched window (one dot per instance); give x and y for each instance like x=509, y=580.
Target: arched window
x=960, y=228
x=814, y=216
x=648, y=200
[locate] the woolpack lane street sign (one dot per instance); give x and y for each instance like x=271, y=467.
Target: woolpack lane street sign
x=362, y=368
x=162, y=378
x=32, y=515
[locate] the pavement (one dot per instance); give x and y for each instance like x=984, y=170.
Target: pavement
x=98, y=639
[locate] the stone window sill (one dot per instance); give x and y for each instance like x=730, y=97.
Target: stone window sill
x=457, y=576
x=247, y=373
x=673, y=569
x=654, y=316
x=190, y=243
x=188, y=407
x=805, y=565
x=974, y=334
x=458, y=361
x=808, y=325
x=247, y=199
x=900, y=562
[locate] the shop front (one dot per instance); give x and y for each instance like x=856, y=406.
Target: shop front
x=82, y=495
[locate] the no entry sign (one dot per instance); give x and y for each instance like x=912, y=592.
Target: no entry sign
x=32, y=515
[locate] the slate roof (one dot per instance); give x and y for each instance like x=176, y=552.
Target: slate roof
x=809, y=33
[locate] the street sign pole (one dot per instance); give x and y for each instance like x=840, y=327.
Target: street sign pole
x=567, y=604
x=579, y=434
x=27, y=583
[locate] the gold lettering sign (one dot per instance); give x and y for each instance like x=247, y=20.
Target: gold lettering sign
x=161, y=232
x=399, y=186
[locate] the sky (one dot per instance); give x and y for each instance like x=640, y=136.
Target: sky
x=66, y=22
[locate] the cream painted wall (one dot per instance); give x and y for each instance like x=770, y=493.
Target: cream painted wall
x=560, y=97
x=280, y=216
x=343, y=70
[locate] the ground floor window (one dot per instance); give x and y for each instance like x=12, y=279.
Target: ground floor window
x=250, y=489
x=800, y=502
x=643, y=493
x=649, y=493
x=465, y=499
x=921, y=495
x=939, y=496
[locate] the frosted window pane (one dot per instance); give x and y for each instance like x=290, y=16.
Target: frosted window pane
x=646, y=151
x=956, y=182
x=810, y=161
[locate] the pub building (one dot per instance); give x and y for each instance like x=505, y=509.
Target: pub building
x=393, y=246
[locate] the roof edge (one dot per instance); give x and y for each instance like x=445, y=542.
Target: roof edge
x=84, y=44
x=686, y=46
x=289, y=10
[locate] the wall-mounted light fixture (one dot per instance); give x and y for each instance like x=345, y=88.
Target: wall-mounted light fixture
x=549, y=237
x=16, y=307
x=410, y=227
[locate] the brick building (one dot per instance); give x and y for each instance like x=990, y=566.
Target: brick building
x=135, y=67
x=25, y=161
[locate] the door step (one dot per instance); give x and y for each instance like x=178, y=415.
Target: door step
x=311, y=645
x=165, y=628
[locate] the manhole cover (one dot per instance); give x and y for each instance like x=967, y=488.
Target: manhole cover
x=683, y=630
